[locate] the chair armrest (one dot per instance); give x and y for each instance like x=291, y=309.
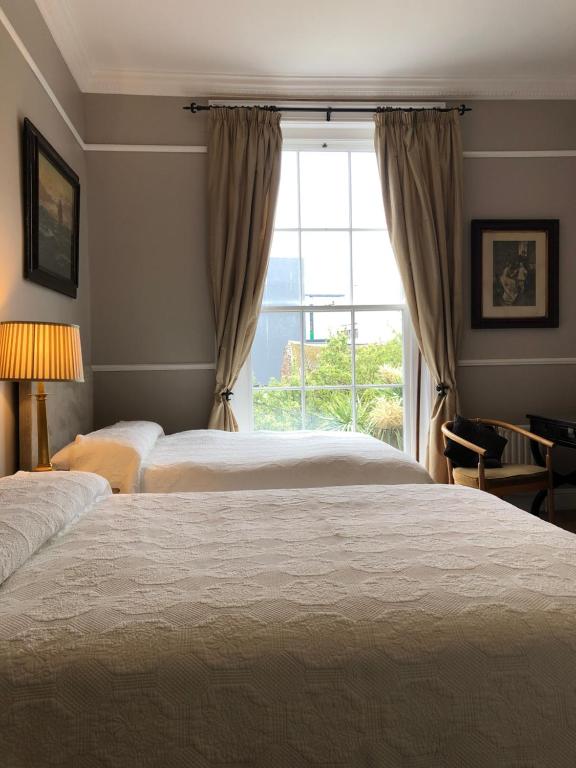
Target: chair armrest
x=462, y=441
x=519, y=431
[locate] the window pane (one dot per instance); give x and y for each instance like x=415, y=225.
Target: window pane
x=276, y=351
x=376, y=276
x=380, y=413
x=326, y=265
x=329, y=409
x=287, y=205
x=278, y=410
x=316, y=259
x=327, y=351
x=378, y=347
x=367, y=203
x=324, y=189
x=283, y=278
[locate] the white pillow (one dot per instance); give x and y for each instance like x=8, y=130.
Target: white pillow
x=116, y=452
x=35, y=506
x=61, y=460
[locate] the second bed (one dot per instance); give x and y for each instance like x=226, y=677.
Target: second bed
x=136, y=456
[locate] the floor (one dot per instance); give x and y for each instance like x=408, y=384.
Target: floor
x=566, y=519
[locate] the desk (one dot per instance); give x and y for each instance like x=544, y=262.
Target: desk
x=561, y=432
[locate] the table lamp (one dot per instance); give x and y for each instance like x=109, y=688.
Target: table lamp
x=40, y=352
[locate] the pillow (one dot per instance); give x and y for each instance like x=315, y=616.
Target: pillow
x=479, y=434
x=116, y=452
x=35, y=506
x=61, y=460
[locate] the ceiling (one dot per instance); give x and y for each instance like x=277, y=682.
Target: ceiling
x=307, y=48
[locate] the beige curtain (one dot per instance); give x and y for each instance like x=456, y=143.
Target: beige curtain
x=244, y=152
x=420, y=162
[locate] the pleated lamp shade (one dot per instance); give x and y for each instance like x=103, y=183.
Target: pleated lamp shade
x=40, y=352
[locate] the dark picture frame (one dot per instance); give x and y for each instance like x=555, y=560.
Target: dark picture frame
x=51, y=215
x=515, y=273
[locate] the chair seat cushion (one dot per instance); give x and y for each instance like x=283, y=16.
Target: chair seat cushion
x=509, y=473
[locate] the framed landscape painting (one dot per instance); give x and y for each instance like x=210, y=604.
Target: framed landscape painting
x=515, y=273
x=52, y=208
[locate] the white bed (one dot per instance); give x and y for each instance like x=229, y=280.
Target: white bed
x=138, y=457
x=419, y=626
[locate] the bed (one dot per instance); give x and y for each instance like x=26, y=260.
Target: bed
x=137, y=457
x=417, y=626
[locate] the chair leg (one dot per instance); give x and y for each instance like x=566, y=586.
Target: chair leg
x=550, y=507
x=550, y=495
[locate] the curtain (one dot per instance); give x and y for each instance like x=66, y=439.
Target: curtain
x=244, y=154
x=420, y=163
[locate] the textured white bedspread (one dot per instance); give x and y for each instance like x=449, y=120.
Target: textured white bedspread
x=212, y=460
x=395, y=627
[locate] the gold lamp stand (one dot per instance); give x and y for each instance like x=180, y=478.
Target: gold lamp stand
x=44, y=464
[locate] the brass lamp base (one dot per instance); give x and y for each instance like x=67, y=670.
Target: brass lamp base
x=44, y=464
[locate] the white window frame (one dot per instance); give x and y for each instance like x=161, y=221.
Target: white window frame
x=338, y=136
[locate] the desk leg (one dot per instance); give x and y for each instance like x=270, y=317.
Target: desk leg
x=537, y=453
x=537, y=503
x=541, y=462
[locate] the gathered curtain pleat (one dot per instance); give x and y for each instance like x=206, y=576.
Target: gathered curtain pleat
x=244, y=156
x=420, y=162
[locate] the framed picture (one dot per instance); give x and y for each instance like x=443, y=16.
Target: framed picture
x=515, y=273
x=52, y=214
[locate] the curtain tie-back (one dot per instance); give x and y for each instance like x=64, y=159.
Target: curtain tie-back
x=226, y=395
x=442, y=389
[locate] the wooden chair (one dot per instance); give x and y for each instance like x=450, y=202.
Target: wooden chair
x=511, y=478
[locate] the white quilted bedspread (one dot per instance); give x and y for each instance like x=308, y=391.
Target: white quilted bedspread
x=391, y=627
x=213, y=460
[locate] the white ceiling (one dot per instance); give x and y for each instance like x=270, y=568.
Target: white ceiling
x=482, y=48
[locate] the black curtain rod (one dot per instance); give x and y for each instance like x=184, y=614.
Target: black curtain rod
x=461, y=109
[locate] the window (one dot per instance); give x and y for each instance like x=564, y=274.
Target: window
x=331, y=346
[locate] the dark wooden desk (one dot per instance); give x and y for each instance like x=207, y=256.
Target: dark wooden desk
x=561, y=432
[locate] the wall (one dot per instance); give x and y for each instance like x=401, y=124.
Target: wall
x=150, y=291
x=148, y=240
x=522, y=187
x=70, y=406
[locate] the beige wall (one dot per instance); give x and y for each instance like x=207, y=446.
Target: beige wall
x=70, y=407
x=150, y=291
x=148, y=240
x=522, y=188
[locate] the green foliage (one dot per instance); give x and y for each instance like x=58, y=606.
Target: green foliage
x=378, y=411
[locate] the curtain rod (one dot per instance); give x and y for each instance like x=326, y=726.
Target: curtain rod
x=461, y=109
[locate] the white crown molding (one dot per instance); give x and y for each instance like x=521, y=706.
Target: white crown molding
x=209, y=85
x=60, y=22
